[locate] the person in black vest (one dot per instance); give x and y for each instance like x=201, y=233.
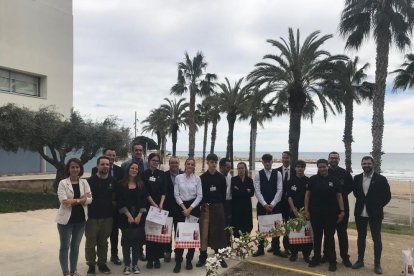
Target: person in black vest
x=372, y=193
x=296, y=199
x=287, y=172
x=170, y=204
x=117, y=173
x=322, y=198
x=347, y=183
x=268, y=189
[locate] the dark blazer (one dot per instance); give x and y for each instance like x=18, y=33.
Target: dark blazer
x=378, y=196
x=285, y=184
x=118, y=172
x=170, y=204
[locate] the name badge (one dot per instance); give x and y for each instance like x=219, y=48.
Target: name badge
x=152, y=179
x=213, y=188
x=330, y=184
x=293, y=188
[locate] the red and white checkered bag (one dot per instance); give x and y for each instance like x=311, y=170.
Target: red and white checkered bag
x=159, y=233
x=187, y=235
x=305, y=235
x=268, y=222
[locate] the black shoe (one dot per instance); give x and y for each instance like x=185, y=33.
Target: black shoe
x=306, y=259
x=270, y=250
x=279, y=253
x=293, y=257
x=167, y=257
x=150, y=264
x=324, y=259
x=188, y=265
x=287, y=252
x=258, y=253
x=177, y=267
x=142, y=257
x=91, y=270
x=332, y=267
x=314, y=262
x=200, y=263
x=116, y=260
x=378, y=269
x=157, y=264
x=347, y=262
x=104, y=269
x=358, y=265
x=223, y=264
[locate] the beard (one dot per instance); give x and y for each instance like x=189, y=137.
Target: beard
x=367, y=169
x=104, y=171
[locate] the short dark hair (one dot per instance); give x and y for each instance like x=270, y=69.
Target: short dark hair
x=212, y=156
x=136, y=144
x=152, y=155
x=77, y=161
x=287, y=152
x=367, y=157
x=101, y=157
x=322, y=161
x=267, y=157
x=300, y=163
x=223, y=162
x=106, y=149
x=333, y=152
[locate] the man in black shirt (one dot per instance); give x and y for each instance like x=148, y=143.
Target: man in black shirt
x=99, y=224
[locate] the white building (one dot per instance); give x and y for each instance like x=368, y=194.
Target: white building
x=36, y=58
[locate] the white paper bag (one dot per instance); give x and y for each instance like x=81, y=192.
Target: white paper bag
x=268, y=222
x=159, y=233
x=157, y=216
x=191, y=219
x=408, y=262
x=187, y=235
x=304, y=235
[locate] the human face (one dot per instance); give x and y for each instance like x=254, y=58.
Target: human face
x=367, y=165
x=174, y=164
x=212, y=165
x=333, y=160
x=189, y=167
x=111, y=154
x=323, y=169
x=138, y=151
x=267, y=164
x=300, y=171
x=225, y=169
x=133, y=170
x=74, y=170
x=103, y=166
x=285, y=160
x=154, y=162
x=241, y=170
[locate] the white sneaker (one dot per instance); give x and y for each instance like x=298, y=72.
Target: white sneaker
x=136, y=269
x=127, y=270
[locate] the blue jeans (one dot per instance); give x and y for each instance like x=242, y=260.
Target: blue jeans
x=70, y=236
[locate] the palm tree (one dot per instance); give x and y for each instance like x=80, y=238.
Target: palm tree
x=214, y=117
x=347, y=87
x=297, y=75
x=405, y=75
x=203, y=109
x=259, y=111
x=176, y=115
x=231, y=99
x=391, y=22
x=190, y=73
x=155, y=124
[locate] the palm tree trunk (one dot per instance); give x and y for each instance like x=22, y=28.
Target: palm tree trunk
x=191, y=127
x=377, y=129
x=213, y=136
x=252, y=153
x=348, y=138
x=231, y=119
x=158, y=140
x=174, y=132
x=295, y=118
x=204, y=144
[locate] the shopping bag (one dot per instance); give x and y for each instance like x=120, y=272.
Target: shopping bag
x=408, y=262
x=187, y=235
x=157, y=216
x=159, y=233
x=269, y=222
x=303, y=236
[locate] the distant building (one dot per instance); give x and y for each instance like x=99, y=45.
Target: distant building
x=36, y=64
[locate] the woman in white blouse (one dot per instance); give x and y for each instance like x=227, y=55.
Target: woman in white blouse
x=74, y=195
x=188, y=193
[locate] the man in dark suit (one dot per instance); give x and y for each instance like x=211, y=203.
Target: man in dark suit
x=372, y=193
x=117, y=173
x=170, y=204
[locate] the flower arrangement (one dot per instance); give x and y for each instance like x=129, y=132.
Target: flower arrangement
x=242, y=247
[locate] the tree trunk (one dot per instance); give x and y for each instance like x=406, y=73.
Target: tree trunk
x=213, y=135
x=295, y=118
x=348, y=138
x=252, y=153
x=204, y=144
x=174, y=138
x=231, y=119
x=158, y=140
x=191, y=127
x=377, y=129
x=60, y=174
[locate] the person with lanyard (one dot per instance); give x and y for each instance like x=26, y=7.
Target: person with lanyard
x=296, y=197
x=322, y=198
x=372, y=193
x=225, y=168
x=132, y=203
x=212, y=222
x=188, y=194
x=170, y=203
x=154, y=180
x=74, y=196
x=268, y=189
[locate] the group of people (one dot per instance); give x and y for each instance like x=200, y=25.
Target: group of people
x=116, y=198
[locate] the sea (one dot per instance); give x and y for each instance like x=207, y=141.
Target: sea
x=394, y=165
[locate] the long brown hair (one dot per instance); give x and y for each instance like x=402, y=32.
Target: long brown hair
x=138, y=178
x=246, y=174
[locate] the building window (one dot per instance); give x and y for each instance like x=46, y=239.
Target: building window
x=19, y=83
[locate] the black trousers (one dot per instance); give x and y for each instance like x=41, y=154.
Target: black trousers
x=115, y=234
x=341, y=232
x=375, y=226
x=324, y=224
x=275, y=240
x=168, y=246
x=227, y=219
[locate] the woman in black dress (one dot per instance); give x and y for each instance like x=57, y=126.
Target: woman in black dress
x=241, y=204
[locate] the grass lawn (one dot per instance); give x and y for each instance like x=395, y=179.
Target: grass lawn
x=23, y=200
x=391, y=228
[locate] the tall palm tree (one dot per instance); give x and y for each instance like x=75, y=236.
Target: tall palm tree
x=155, y=124
x=190, y=78
x=231, y=99
x=204, y=108
x=259, y=111
x=213, y=102
x=176, y=115
x=405, y=75
x=391, y=22
x=297, y=74
x=348, y=87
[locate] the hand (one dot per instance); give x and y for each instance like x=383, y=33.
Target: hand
x=67, y=202
x=340, y=217
x=307, y=215
x=295, y=212
x=137, y=219
x=130, y=218
x=88, y=194
x=269, y=208
x=160, y=207
x=186, y=212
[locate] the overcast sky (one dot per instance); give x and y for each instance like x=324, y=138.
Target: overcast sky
x=126, y=54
